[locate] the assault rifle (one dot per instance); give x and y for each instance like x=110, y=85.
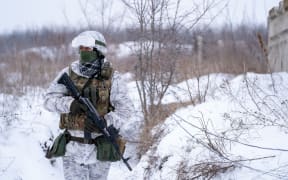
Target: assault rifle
x=110, y=133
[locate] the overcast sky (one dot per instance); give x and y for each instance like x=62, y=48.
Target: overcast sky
x=21, y=14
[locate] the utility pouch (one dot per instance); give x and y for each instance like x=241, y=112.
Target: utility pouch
x=58, y=148
x=106, y=70
x=106, y=151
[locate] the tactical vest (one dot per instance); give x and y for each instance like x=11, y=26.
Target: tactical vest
x=98, y=92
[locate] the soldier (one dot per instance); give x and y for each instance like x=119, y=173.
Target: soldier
x=95, y=79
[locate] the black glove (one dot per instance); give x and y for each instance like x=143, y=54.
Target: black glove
x=77, y=108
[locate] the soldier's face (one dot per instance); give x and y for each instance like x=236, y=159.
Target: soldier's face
x=84, y=48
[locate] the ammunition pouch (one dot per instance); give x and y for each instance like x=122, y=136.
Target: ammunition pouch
x=58, y=148
x=97, y=90
x=75, y=122
x=106, y=151
x=106, y=70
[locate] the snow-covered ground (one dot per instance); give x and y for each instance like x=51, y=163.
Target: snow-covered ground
x=242, y=125
x=240, y=132
x=126, y=49
x=51, y=52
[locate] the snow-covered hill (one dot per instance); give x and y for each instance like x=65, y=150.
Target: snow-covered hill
x=239, y=132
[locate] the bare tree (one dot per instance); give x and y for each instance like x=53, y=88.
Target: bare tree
x=103, y=14
x=159, y=24
x=159, y=46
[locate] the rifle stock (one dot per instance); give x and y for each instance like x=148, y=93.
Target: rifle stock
x=109, y=133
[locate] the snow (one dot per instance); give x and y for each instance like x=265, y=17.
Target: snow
x=187, y=124
x=125, y=49
x=21, y=155
x=49, y=52
x=129, y=48
x=244, y=116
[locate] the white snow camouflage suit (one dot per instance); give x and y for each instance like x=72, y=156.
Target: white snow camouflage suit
x=79, y=162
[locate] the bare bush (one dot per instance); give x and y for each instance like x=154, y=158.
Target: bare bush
x=149, y=139
x=101, y=15
x=218, y=159
x=227, y=50
x=159, y=45
x=269, y=108
x=8, y=106
x=123, y=65
x=205, y=170
x=33, y=64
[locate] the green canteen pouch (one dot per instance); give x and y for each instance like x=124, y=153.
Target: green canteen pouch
x=106, y=151
x=58, y=148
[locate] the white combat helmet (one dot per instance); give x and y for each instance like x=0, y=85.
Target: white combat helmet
x=92, y=39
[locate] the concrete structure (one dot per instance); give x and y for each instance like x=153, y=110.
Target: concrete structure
x=278, y=37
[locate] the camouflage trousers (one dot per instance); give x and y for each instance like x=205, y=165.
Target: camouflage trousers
x=75, y=171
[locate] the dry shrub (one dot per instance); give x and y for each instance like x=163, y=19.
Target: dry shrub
x=123, y=65
x=231, y=59
x=149, y=138
x=204, y=170
x=29, y=69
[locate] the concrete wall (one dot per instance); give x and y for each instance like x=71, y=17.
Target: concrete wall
x=278, y=37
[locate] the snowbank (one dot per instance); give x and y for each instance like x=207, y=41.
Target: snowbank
x=241, y=128
x=224, y=132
